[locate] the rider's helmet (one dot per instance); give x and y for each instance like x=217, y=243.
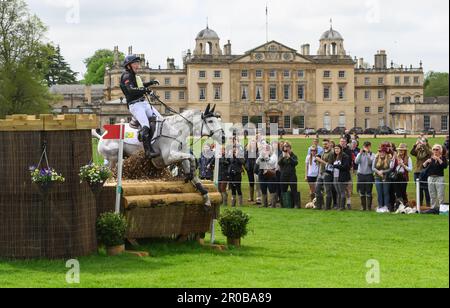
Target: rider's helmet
x=131, y=59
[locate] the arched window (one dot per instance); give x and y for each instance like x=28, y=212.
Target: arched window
x=342, y=119
x=327, y=121
x=325, y=51
x=201, y=48
x=333, y=49
x=210, y=50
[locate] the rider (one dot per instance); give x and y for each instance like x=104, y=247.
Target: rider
x=134, y=90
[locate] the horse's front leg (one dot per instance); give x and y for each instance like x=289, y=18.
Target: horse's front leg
x=189, y=170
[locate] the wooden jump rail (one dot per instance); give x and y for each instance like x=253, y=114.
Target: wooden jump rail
x=48, y=122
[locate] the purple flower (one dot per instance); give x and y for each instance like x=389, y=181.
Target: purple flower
x=32, y=168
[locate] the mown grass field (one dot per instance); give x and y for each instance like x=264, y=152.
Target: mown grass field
x=285, y=248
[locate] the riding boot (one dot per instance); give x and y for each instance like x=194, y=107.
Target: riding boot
x=233, y=201
x=363, y=203
x=147, y=136
x=265, y=202
x=241, y=201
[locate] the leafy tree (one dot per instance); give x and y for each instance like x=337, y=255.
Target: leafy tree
x=59, y=71
x=96, y=66
x=22, y=61
x=255, y=120
x=436, y=84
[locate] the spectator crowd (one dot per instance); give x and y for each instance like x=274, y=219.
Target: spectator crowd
x=330, y=171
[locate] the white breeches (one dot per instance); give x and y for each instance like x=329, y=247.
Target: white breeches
x=143, y=111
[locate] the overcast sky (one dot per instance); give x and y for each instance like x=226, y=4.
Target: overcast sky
x=409, y=31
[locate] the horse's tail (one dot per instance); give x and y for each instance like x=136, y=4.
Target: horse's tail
x=95, y=134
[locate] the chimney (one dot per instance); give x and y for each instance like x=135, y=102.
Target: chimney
x=227, y=48
x=170, y=63
x=116, y=57
x=88, y=94
x=130, y=50
x=381, y=60
x=306, y=49
x=361, y=63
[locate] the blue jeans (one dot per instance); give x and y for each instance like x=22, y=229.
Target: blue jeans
x=384, y=194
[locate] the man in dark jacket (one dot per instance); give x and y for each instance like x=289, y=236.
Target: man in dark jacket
x=134, y=90
x=288, y=175
x=235, y=169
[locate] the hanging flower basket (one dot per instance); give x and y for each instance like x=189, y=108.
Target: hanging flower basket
x=95, y=175
x=45, y=178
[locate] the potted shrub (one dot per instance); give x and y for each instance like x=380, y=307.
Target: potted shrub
x=45, y=178
x=111, y=232
x=234, y=226
x=95, y=175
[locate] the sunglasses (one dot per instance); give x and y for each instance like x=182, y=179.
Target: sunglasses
x=436, y=150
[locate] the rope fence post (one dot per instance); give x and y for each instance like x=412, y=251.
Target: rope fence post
x=418, y=195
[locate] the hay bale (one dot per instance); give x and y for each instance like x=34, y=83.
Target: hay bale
x=150, y=201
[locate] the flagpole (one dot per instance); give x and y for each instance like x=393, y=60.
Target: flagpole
x=267, y=23
x=120, y=168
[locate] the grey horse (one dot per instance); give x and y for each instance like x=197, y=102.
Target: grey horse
x=172, y=142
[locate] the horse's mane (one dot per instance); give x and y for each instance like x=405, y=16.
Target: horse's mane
x=188, y=114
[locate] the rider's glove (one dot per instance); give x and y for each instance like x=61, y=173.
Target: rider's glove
x=154, y=83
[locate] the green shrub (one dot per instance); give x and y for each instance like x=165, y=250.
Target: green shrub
x=234, y=224
x=111, y=229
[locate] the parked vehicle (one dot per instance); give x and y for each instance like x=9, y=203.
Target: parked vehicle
x=310, y=131
x=430, y=131
x=385, y=130
x=323, y=131
x=339, y=131
x=371, y=131
x=357, y=130
x=401, y=131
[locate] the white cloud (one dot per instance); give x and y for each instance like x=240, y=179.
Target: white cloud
x=409, y=31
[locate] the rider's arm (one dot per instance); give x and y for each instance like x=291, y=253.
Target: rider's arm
x=151, y=83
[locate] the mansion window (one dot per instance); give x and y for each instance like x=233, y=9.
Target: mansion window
x=341, y=92
x=407, y=80
x=397, y=81
x=301, y=92
x=244, y=74
x=301, y=74
x=367, y=81
x=217, y=92
x=381, y=81
x=286, y=74
x=407, y=100
x=341, y=74
x=367, y=95
x=217, y=74
x=397, y=100
x=202, y=74
x=416, y=80
x=427, y=122
x=182, y=81
x=259, y=93
x=273, y=74
x=287, y=92
x=167, y=81
x=287, y=122
x=342, y=120
x=244, y=93
x=444, y=123
x=327, y=74
x=168, y=95
x=380, y=94
x=112, y=121
x=273, y=92
x=367, y=110
x=181, y=95
x=301, y=122
x=202, y=92
x=380, y=109
x=381, y=122
x=327, y=92
x=245, y=120
x=259, y=73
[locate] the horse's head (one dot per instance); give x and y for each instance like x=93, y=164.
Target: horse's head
x=212, y=126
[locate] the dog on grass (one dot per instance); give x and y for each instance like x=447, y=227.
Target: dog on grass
x=311, y=205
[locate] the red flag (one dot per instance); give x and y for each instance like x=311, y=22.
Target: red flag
x=113, y=132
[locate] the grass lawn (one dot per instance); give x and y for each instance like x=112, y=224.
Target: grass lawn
x=286, y=248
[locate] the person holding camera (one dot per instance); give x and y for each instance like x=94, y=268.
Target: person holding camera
x=341, y=175
x=422, y=151
x=268, y=162
x=288, y=174
x=382, y=166
x=235, y=170
x=436, y=182
x=325, y=178
x=312, y=172
x=364, y=162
